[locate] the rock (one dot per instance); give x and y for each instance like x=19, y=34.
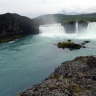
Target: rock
x=86, y=42
x=72, y=78
x=70, y=27
x=70, y=45
x=14, y=25
x=69, y=40
x=94, y=78
x=83, y=47
x=82, y=26
x=83, y=43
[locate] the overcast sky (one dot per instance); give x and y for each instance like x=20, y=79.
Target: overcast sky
x=33, y=8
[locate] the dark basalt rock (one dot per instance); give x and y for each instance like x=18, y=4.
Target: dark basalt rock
x=94, y=78
x=70, y=45
x=82, y=26
x=86, y=41
x=83, y=43
x=72, y=78
x=13, y=26
x=70, y=27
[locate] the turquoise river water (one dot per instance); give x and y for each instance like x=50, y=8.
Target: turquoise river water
x=31, y=59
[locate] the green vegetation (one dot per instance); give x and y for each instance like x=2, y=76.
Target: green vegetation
x=61, y=18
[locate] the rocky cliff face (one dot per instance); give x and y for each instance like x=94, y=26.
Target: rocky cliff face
x=70, y=26
x=82, y=26
x=72, y=78
x=14, y=25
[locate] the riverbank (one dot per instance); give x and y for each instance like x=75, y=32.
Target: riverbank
x=72, y=78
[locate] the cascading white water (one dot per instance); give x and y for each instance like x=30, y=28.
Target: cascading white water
x=52, y=30
x=90, y=32
x=92, y=28
x=55, y=30
x=76, y=27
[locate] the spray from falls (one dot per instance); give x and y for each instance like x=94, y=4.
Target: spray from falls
x=57, y=30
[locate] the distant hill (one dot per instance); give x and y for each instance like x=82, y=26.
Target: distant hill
x=61, y=18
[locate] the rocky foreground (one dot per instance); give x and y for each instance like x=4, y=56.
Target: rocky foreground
x=72, y=78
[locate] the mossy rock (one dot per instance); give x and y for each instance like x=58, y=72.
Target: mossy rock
x=70, y=45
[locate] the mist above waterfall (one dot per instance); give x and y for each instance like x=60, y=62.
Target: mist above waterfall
x=57, y=30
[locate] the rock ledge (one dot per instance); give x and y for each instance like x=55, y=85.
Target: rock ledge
x=72, y=78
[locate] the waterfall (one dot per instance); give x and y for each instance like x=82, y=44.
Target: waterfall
x=91, y=30
x=77, y=28
x=92, y=27
x=52, y=30
x=55, y=30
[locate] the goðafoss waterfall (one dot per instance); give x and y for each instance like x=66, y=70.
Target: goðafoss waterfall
x=58, y=30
